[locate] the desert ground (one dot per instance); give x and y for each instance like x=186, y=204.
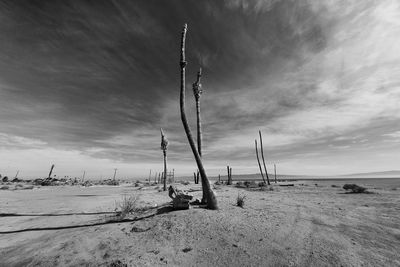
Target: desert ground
x=303, y=225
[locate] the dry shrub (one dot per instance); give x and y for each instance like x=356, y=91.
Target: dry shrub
x=127, y=205
x=355, y=188
x=240, y=200
x=267, y=188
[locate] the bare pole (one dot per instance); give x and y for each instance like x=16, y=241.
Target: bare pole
x=262, y=155
x=210, y=197
x=275, y=171
x=258, y=160
x=83, y=176
x=16, y=175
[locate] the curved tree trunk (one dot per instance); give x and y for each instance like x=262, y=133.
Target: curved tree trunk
x=262, y=155
x=258, y=160
x=210, y=196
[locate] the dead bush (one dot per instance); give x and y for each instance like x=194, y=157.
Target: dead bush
x=127, y=205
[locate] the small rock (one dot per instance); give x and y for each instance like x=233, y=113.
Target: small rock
x=187, y=249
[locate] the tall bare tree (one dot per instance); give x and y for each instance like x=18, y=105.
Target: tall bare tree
x=164, y=147
x=210, y=196
x=262, y=155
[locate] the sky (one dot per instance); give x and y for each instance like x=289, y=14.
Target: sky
x=86, y=85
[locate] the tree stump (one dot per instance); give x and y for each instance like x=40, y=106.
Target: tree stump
x=180, y=199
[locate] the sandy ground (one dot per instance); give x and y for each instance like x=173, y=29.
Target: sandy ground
x=304, y=225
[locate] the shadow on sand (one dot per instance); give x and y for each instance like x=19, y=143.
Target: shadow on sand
x=166, y=208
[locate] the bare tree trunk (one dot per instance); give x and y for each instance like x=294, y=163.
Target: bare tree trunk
x=229, y=178
x=165, y=170
x=197, y=94
x=164, y=147
x=258, y=160
x=275, y=171
x=262, y=155
x=210, y=196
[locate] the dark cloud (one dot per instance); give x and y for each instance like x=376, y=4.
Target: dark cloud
x=101, y=77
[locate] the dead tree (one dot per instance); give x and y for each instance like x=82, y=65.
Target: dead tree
x=258, y=160
x=210, y=196
x=275, y=171
x=262, y=155
x=164, y=147
x=115, y=173
x=229, y=169
x=51, y=170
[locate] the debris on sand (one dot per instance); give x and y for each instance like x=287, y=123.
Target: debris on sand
x=180, y=199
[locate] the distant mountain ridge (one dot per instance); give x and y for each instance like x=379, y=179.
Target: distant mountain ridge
x=257, y=176
x=393, y=173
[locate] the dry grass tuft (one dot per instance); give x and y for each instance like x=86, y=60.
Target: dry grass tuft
x=240, y=200
x=127, y=205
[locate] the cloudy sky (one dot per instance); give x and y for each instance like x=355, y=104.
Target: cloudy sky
x=86, y=85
